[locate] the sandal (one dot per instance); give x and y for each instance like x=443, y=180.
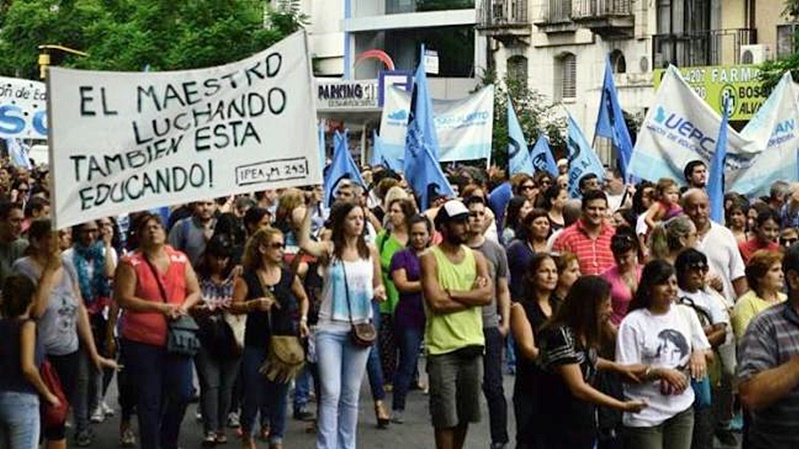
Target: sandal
x=383, y=418
x=221, y=438
x=128, y=438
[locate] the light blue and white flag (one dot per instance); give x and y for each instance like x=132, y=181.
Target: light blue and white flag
x=715, y=180
x=19, y=154
x=582, y=158
x=519, y=160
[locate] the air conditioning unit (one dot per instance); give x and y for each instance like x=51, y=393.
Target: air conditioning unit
x=754, y=54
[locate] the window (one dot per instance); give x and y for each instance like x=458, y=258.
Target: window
x=566, y=76
x=517, y=68
x=617, y=62
x=786, y=40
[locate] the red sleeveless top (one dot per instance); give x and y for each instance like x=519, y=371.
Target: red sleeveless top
x=150, y=327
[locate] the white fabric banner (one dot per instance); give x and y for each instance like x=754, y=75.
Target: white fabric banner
x=23, y=109
x=135, y=141
x=464, y=127
x=681, y=127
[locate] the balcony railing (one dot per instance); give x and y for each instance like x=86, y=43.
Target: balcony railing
x=701, y=48
x=497, y=13
x=556, y=11
x=591, y=9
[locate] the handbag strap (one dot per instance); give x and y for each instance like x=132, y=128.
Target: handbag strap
x=347, y=292
x=157, y=279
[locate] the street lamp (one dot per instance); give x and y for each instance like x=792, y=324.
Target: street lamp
x=44, y=56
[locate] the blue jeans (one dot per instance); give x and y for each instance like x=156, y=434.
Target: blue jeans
x=19, y=420
x=163, y=383
x=510, y=353
x=262, y=394
x=408, y=340
x=302, y=389
x=341, y=369
x=492, y=385
x=216, y=377
x=373, y=366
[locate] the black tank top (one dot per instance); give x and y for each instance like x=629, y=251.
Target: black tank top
x=284, y=319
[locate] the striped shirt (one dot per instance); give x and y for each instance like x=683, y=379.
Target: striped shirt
x=593, y=254
x=771, y=340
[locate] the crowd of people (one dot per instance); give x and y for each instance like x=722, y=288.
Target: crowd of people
x=627, y=316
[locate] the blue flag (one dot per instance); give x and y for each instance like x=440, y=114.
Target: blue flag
x=342, y=167
x=421, y=167
x=519, y=160
x=582, y=158
x=322, y=152
x=19, y=154
x=610, y=122
x=542, y=156
x=715, y=181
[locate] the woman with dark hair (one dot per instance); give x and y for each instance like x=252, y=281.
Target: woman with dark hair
x=526, y=318
x=569, y=342
x=766, y=232
x=352, y=278
x=669, y=340
x=710, y=309
x=518, y=208
x=409, y=316
x=62, y=320
x=735, y=217
x=21, y=356
x=272, y=297
x=624, y=275
x=154, y=285
x=218, y=360
x=531, y=239
x=555, y=198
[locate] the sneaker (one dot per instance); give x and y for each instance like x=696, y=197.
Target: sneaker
x=198, y=416
x=210, y=440
x=233, y=420
x=499, y=445
x=84, y=438
x=128, y=438
x=303, y=414
x=106, y=409
x=396, y=416
x=98, y=415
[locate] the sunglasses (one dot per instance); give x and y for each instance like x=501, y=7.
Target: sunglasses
x=277, y=245
x=699, y=267
x=787, y=242
x=528, y=187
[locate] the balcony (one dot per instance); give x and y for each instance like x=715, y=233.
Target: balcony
x=608, y=18
x=701, y=48
x=505, y=20
x=556, y=17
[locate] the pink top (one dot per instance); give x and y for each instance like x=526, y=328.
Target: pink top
x=620, y=294
x=150, y=327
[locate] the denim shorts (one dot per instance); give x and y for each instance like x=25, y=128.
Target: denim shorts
x=455, y=389
x=19, y=419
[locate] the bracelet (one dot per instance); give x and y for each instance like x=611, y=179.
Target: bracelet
x=304, y=319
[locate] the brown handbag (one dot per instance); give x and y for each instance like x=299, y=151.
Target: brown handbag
x=285, y=357
x=362, y=335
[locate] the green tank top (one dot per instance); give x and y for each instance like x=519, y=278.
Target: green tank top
x=449, y=332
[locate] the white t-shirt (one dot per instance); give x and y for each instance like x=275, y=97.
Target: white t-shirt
x=660, y=341
x=714, y=305
x=614, y=201
x=721, y=249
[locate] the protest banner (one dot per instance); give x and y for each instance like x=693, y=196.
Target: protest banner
x=133, y=141
x=680, y=127
x=23, y=109
x=463, y=126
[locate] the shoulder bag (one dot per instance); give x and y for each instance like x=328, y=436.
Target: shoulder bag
x=362, y=335
x=285, y=358
x=181, y=338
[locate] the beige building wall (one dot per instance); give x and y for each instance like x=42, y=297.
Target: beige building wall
x=767, y=16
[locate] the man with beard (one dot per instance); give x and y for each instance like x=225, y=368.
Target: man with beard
x=456, y=285
x=192, y=233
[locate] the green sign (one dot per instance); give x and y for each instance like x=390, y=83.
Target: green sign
x=739, y=84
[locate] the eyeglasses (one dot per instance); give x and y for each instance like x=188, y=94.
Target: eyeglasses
x=787, y=242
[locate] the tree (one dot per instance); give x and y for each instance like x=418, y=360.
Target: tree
x=535, y=112
x=134, y=35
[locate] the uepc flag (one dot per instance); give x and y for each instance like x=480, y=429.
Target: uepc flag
x=135, y=141
x=23, y=109
x=519, y=159
x=774, y=130
x=463, y=127
x=582, y=158
x=681, y=127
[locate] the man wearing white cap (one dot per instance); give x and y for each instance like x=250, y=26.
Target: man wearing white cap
x=456, y=285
